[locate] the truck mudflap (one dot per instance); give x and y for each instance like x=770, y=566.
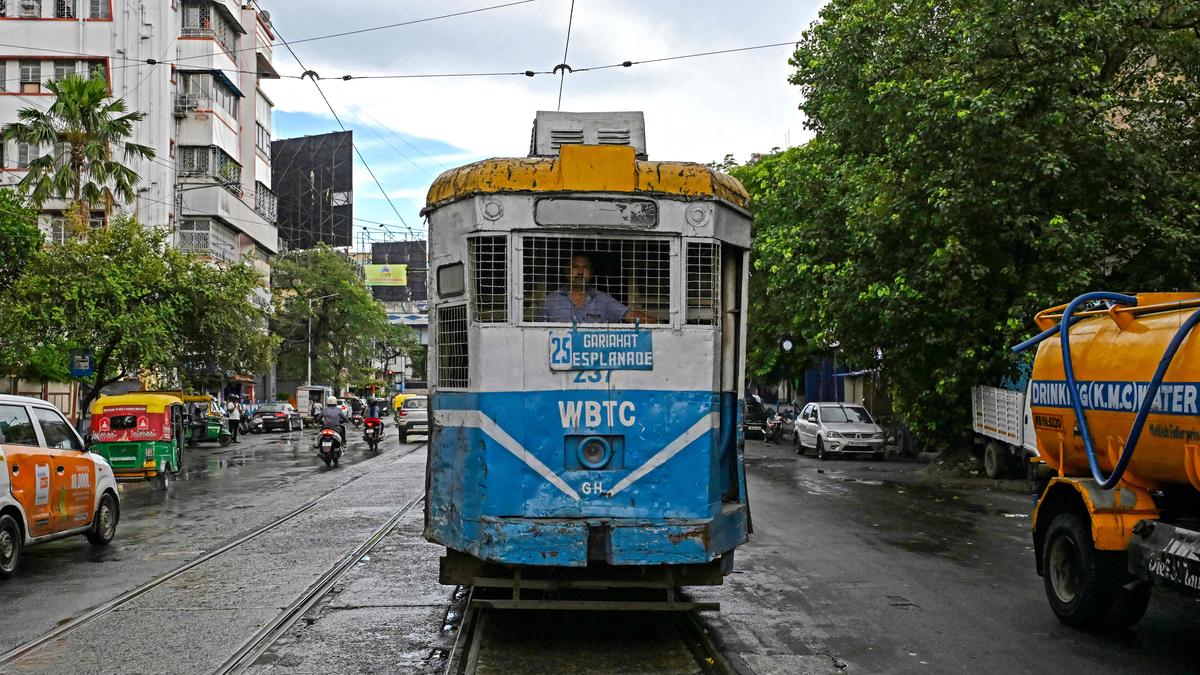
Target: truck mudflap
x=1167, y=555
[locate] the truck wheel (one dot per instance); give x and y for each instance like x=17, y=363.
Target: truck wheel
x=1085, y=587
x=104, y=523
x=11, y=545
x=995, y=460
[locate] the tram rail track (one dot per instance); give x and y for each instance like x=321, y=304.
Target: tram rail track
x=15, y=654
x=469, y=653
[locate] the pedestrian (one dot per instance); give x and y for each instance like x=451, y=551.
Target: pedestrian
x=234, y=408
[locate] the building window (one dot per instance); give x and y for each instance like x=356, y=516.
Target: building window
x=453, y=359
x=65, y=9
x=201, y=91
x=262, y=138
x=97, y=69
x=3, y=73
x=25, y=9
x=209, y=161
x=31, y=77
x=100, y=9
x=62, y=69
x=489, y=278
x=206, y=237
x=618, y=275
x=25, y=154
x=171, y=149
x=703, y=283
x=201, y=19
x=265, y=202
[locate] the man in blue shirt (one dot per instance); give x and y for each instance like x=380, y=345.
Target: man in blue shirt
x=580, y=302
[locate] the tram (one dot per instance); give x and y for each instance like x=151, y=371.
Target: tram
x=586, y=350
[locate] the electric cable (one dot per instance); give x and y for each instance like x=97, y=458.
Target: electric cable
x=562, y=67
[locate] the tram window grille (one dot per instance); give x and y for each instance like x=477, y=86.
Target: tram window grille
x=453, y=359
x=489, y=279
x=703, y=283
x=635, y=272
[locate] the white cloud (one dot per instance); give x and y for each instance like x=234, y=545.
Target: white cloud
x=697, y=109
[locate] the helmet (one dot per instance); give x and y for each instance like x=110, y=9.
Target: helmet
x=331, y=400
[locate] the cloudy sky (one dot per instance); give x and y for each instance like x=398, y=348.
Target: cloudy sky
x=410, y=130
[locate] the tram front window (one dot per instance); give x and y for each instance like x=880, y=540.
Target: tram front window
x=572, y=280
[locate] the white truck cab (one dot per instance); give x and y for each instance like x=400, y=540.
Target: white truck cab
x=51, y=486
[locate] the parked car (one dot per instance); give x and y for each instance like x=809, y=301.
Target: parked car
x=413, y=417
x=279, y=415
x=51, y=486
x=838, y=429
x=754, y=422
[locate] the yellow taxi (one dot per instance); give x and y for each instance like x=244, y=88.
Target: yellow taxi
x=51, y=486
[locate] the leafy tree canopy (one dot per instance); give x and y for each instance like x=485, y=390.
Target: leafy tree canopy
x=20, y=238
x=974, y=162
x=138, y=305
x=322, y=286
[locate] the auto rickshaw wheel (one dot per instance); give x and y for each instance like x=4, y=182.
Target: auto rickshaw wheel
x=11, y=546
x=164, y=478
x=224, y=439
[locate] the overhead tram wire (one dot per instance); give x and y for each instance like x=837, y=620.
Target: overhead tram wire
x=363, y=111
x=562, y=67
x=338, y=120
x=357, y=31
x=349, y=111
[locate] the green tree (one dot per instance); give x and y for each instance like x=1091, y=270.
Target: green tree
x=82, y=128
x=20, y=238
x=139, y=306
x=318, y=292
x=974, y=162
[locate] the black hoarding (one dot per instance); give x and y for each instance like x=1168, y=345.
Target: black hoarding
x=313, y=177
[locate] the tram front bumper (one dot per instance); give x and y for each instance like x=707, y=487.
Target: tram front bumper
x=569, y=542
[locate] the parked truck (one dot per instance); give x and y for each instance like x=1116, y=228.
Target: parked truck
x=1114, y=400
x=1004, y=429
x=306, y=396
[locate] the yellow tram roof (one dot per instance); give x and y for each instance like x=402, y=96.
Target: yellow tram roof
x=587, y=168
x=153, y=402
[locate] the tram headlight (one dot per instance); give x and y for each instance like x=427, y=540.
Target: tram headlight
x=595, y=452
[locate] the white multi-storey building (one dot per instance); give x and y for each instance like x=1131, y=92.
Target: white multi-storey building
x=195, y=68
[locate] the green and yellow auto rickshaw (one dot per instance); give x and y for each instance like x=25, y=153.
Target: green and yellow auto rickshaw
x=141, y=435
x=207, y=422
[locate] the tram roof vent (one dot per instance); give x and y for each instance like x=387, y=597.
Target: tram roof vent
x=552, y=130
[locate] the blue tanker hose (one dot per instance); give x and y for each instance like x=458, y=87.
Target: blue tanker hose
x=1139, y=421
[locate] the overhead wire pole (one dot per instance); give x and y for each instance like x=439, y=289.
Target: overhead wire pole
x=563, y=67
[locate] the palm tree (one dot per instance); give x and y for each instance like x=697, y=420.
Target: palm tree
x=81, y=127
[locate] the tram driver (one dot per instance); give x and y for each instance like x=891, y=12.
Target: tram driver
x=578, y=301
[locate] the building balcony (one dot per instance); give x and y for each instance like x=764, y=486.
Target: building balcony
x=265, y=202
x=198, y=200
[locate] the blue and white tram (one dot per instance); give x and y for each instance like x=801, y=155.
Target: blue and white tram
x=587, y=345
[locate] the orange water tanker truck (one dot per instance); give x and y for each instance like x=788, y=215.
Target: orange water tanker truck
x=1115, y=404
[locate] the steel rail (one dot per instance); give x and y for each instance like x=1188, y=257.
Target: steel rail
x=464, y=655
x=15, y=654
x=261, y=641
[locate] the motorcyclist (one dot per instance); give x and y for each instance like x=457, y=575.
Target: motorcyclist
x=332, y=417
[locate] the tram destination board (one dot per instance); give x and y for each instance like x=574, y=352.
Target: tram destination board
x=601, y=350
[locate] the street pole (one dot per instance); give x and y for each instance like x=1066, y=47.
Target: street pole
x=308, y=377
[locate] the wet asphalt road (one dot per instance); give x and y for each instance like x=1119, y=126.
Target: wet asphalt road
x=221, y=495
x=854, y=566
x=861, y=566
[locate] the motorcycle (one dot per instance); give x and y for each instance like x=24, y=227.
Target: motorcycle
x=774, y=430
x=373, y=432
x=356, y=419
x=329, y=446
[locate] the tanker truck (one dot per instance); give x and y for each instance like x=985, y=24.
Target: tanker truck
x=1115, y=404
